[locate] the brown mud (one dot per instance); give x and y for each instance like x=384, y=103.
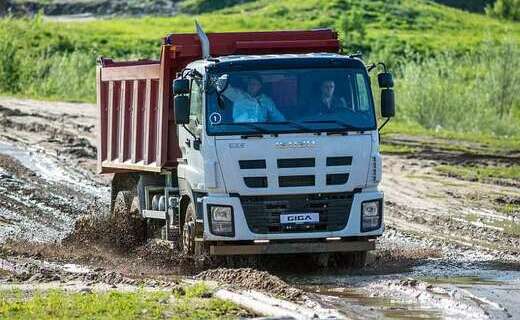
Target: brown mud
x=441, y=234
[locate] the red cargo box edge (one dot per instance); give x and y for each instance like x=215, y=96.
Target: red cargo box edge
x=136, y=130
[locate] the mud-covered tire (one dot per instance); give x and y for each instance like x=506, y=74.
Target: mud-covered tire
x=128, y=226
x=359, y=259
x=349, y=260
x=189, y=246
x=188, y=231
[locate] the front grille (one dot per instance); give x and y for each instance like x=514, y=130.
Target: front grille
x=296, y=163
x=251, y=164
x=256, y=182
x=337, y=179
x=296, y=181
x=263, y=212
x=339, y=161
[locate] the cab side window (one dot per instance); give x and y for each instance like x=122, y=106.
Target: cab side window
x=195, y=105
x=362, y=86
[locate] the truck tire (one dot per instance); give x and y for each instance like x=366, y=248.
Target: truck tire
x=189, y=246
x=188, y=230
x=350, y=260
x=359, y=259
x=127, y=225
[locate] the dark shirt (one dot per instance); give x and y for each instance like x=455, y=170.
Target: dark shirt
x=336, y=105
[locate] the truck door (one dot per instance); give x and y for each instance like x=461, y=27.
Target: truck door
x=190, y=141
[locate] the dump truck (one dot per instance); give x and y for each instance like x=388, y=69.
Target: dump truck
x=245, y=143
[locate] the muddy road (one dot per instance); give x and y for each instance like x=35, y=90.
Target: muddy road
x=451, y=249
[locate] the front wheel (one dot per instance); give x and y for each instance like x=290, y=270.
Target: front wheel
x=350, y=260
x=190, y=246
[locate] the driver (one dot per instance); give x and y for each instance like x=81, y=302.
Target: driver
x=252, y=105
x=328, y=102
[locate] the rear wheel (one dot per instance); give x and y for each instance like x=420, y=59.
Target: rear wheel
x=127, y=224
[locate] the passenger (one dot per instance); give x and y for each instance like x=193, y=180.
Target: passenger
x=329, y=103
x=252, y=105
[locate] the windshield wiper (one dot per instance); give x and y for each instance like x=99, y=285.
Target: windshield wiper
x=251, y=125
x=292, y=123
x=338, y=122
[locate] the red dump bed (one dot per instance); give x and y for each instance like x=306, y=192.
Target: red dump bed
x=137, y=131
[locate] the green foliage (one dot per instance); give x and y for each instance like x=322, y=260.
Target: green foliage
x=481, y=173
x=473, y=92
x=57, y=304
x=198, y=290
x=440, y=76
x=201, y=6
x=351, y=25
x=505, y=9
x=473, y=5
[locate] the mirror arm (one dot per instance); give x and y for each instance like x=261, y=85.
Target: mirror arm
x=371, y=67
x=384, y=124
x=190, y=132
x=384, y=66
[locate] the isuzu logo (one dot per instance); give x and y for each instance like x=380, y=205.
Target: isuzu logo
x=296, y=144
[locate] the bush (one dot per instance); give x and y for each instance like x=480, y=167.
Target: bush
x=473, y=92
x=351, y=26
x=201, y=6
x=505, y=9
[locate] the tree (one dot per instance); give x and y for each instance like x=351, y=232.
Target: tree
x=505, y=9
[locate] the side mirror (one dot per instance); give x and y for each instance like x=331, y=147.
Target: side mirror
x=387, y=103
x=385, y=80
x=181, y=86
x=181, y=105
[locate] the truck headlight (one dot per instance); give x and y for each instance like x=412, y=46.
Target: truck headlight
x=371, y=215
x=221, y=220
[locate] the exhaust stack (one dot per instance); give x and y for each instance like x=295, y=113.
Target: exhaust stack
x=204, y=41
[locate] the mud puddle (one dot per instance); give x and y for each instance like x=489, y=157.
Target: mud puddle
x=52, y=170
x=41, y=196
x=358, y=305
x=435, y=290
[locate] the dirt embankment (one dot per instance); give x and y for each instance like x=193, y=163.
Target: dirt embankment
x=89, y=7
x=251, y=279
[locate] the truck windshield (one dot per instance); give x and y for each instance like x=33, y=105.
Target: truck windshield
x=289, y=100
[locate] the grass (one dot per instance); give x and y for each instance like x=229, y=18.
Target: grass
x=448, y=62
x=451, y=139
x=509, y=227
x=510, y=208
x=58, y=304
x=396, y=149
x=441, y=92
x=481, y=173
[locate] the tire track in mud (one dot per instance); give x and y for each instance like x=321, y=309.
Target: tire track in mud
x=443, y=208
x=428, y=237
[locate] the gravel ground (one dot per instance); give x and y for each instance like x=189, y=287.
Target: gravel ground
x=449, y=251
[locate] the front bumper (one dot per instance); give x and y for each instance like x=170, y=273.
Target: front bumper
x=243, y=232
x=292, y=247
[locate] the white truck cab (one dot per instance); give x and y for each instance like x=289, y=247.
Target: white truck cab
x=280, y=154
